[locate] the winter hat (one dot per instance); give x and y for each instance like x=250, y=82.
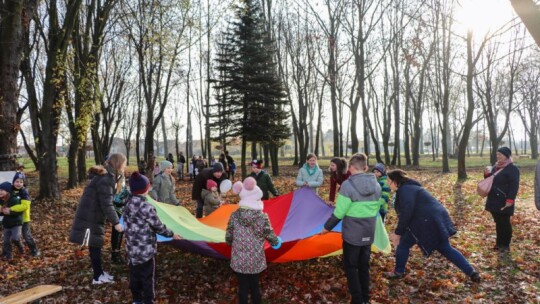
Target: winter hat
x=379, y=167
x=218, y=167
x=256, y=163
x=138, y=184
x=505, y=151
x=6, y=186
x=250, y=194
x=165, y=165
x=210, y=183
x=19, y=175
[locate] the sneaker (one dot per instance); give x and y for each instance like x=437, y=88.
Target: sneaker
x=475, y=277
x=394, y=275
x=36, y=253
x=108, y=276
x=102, y=280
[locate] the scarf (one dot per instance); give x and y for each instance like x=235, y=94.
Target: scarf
x=310, y=171
x=503, y=164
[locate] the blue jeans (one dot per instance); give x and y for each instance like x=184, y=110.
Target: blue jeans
x=449, y=252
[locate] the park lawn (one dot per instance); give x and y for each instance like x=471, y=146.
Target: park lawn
x=187, y=278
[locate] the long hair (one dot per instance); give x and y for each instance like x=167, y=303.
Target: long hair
x=398, y=176
x=115, y=161
x=341, y=167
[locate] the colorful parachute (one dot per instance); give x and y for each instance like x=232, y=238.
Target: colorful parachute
x=296, y=217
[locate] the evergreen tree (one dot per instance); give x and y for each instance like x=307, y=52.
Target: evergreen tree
x=251, y=98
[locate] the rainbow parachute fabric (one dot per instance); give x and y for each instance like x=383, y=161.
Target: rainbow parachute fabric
x=297, y=217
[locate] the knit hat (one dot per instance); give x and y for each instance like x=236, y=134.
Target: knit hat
x=6, y=186
x=250, y=194
x=505, y=151
x=19, y=175
x=218, y=167
x=379, y=167
x=210, y=183
x=256, y=163
x=165, y=165
x=138, y=184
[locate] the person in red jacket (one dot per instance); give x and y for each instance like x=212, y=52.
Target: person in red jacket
x=338, y=174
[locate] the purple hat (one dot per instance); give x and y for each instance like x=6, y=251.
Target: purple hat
x=138, y=184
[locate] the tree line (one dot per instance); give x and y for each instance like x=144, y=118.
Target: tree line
x=392, y=78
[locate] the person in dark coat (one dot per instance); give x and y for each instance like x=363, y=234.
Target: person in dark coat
x=264, y=181
x=338, y=174
x=96, y=206
x=501, y=197
x=537, y=185
x=215, y=173
x=422, y=221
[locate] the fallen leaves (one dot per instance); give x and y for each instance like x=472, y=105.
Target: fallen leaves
x=187, y=278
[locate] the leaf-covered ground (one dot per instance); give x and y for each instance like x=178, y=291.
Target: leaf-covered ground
x=187, y=278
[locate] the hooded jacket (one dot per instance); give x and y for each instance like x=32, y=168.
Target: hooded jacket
x=246, y=231
x=95, y=206
x=163, y=189
x=211, y=203
x=421, y=215
x=141, y=224
x=357, y=205
x=15, y=216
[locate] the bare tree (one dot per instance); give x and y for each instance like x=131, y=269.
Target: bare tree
x=15, y=18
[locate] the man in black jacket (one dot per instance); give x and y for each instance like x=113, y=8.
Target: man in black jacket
x=216, y=174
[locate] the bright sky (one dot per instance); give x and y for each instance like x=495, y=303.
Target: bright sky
x=483, y=15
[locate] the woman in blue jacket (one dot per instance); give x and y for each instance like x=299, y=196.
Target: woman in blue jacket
x=423, y=221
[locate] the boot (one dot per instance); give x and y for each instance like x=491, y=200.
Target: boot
x=117, y=258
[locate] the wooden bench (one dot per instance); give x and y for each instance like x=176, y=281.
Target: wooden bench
x=31, y=294
x=524, y=156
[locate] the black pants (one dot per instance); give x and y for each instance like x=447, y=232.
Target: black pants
x=95, y=258
x=116, y=239
x=141, y=281
x=503, y=226
x=248, y=283
x=356, y=266
x=200, y=206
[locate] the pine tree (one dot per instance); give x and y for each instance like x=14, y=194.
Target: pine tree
x=251, y=96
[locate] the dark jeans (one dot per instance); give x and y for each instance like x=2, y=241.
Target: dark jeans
x=449, y=252
x=199, y=210
x=27, y=235
x=356, y=266
x=95, y=258
x=503, y=226
x=248, y=283
x=141, y=281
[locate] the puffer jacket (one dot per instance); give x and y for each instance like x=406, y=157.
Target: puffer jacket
x=421, y=215
x=314, y=180
x=14, y=218
x=246, y=231
x=95, y=206
x=141, y=224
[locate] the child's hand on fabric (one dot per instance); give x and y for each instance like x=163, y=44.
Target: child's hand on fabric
x=324, y=231
x=176, y=237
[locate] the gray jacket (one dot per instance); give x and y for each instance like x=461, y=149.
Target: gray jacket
x=163, y=189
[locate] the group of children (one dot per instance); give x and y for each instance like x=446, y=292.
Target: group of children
x=15, y=210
